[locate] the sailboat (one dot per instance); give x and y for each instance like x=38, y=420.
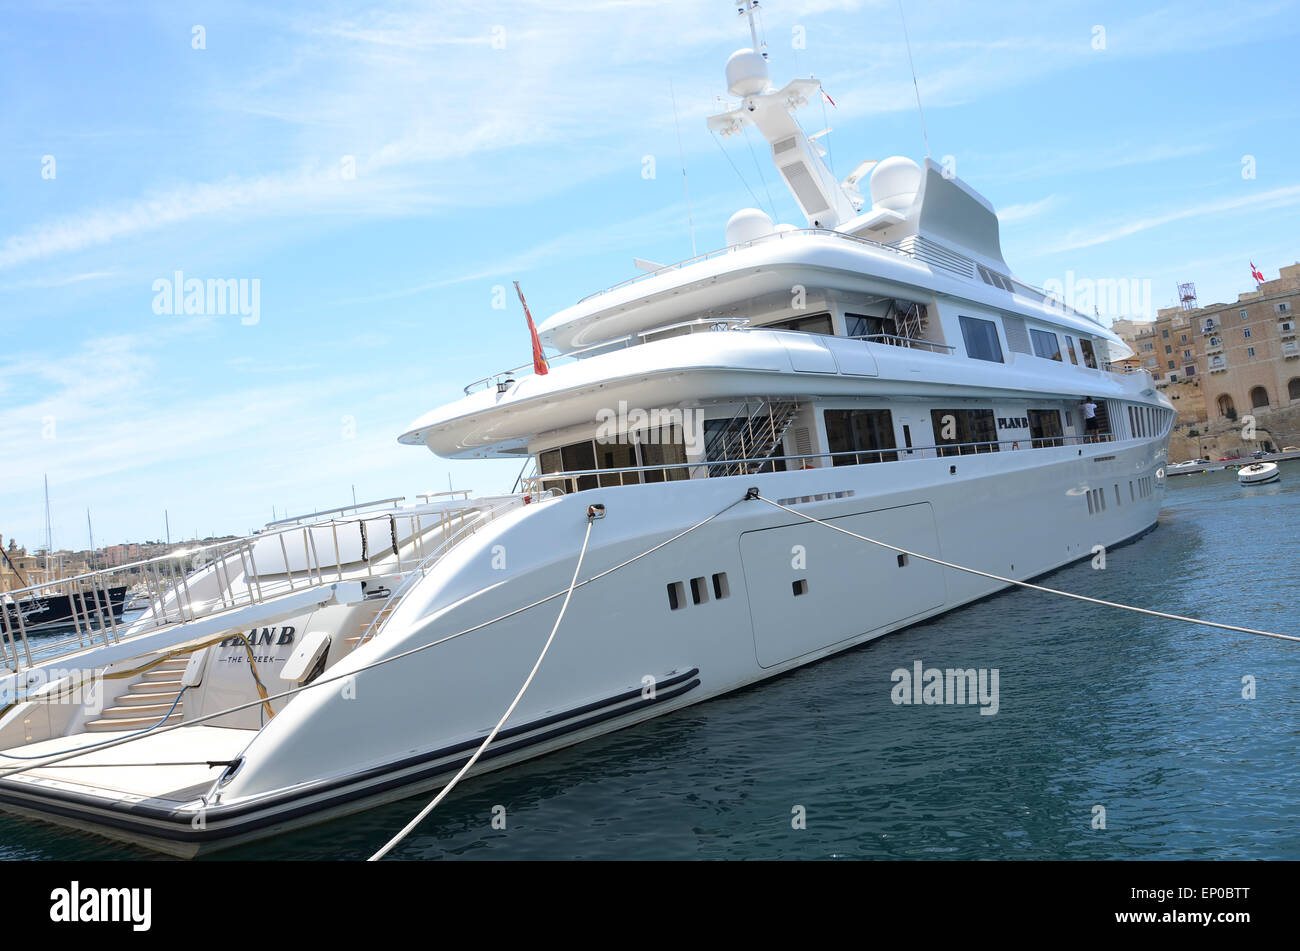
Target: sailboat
x=48, y=609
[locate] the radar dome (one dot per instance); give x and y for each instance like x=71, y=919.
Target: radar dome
x=894, y=183
x=747, y=225
x=746, y=73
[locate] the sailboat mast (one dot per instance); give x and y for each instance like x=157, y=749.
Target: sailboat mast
x=49, y=530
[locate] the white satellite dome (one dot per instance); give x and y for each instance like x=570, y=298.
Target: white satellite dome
x=894, y=183
x=746, y=73
x=747, y=225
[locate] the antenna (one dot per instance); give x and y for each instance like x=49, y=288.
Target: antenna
x=1187, y=296
x=747, y=8
x=925, y=135
x=681, y=155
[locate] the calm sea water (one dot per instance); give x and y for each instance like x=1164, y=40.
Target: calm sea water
x=1142, y=716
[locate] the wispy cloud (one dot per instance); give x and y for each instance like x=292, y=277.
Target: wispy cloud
x=1273, y=199
x=1013, y=213
x=63, y=280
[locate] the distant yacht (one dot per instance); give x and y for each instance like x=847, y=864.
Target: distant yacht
x=875, y=366
x=53, y=603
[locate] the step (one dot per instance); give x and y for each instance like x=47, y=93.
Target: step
x=129, y=723
x=146, y=698
x=156, y=710
x=176, y=663
x=161, y=676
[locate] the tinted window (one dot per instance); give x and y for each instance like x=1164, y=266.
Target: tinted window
x=956, y=429
x=1089, y=358
x=1045, y=427
x=860, y=431
x=981, y=337
x=814, y=324
x=1045, y=344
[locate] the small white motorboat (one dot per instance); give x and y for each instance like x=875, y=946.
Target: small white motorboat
x=1258, y=473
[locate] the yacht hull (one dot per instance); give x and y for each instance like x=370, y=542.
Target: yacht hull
x=624, y=653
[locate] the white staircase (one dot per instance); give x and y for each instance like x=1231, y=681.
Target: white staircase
x=754, y=433
x=147, y=701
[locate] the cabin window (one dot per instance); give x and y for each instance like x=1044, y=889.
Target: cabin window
x=963, y=431
x=864, y=325
x=578, y=457
x=616, y=456
x=1045, y=428
x=866, y=433
x=1046, y=344
x=663, y=446
x=981, y=337
x=812, y=324
x=1069, y=345
x=654, y=446
x=1089, y=358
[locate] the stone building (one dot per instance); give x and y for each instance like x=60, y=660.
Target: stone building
x=1251, y=351
x=28, y=568
x=1223, y=362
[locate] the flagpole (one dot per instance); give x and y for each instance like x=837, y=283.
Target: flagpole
x=539, y=358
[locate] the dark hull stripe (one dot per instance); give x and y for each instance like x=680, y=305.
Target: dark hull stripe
x=168, y=824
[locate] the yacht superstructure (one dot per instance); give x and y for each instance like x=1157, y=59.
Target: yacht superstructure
x=876, y=367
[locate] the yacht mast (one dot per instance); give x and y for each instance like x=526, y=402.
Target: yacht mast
x=771, y=111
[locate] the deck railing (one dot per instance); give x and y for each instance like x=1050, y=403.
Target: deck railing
x=232, y=576
x=506, y=377
x=407, y=584
x=580, y=480
x=894, y=340
x=774, y=236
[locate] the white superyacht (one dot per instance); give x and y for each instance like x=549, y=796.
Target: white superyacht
x=875, y=367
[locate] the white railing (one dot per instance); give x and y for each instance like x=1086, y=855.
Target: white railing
x=774, y=236
x=407, y=584
x=206, y=580
x=583, y=480
x=503, y=379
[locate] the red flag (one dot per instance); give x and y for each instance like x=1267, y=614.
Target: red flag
x=539, y=360
x=1256, y=273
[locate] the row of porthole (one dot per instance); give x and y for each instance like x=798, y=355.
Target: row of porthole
x=721, y=589
x=1097, y=497
x=699, y=591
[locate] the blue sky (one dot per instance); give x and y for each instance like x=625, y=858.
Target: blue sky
x=379, y=169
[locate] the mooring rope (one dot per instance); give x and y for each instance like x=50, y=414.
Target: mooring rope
x=1026, y=584
x=487, y=741
x=335, y=678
